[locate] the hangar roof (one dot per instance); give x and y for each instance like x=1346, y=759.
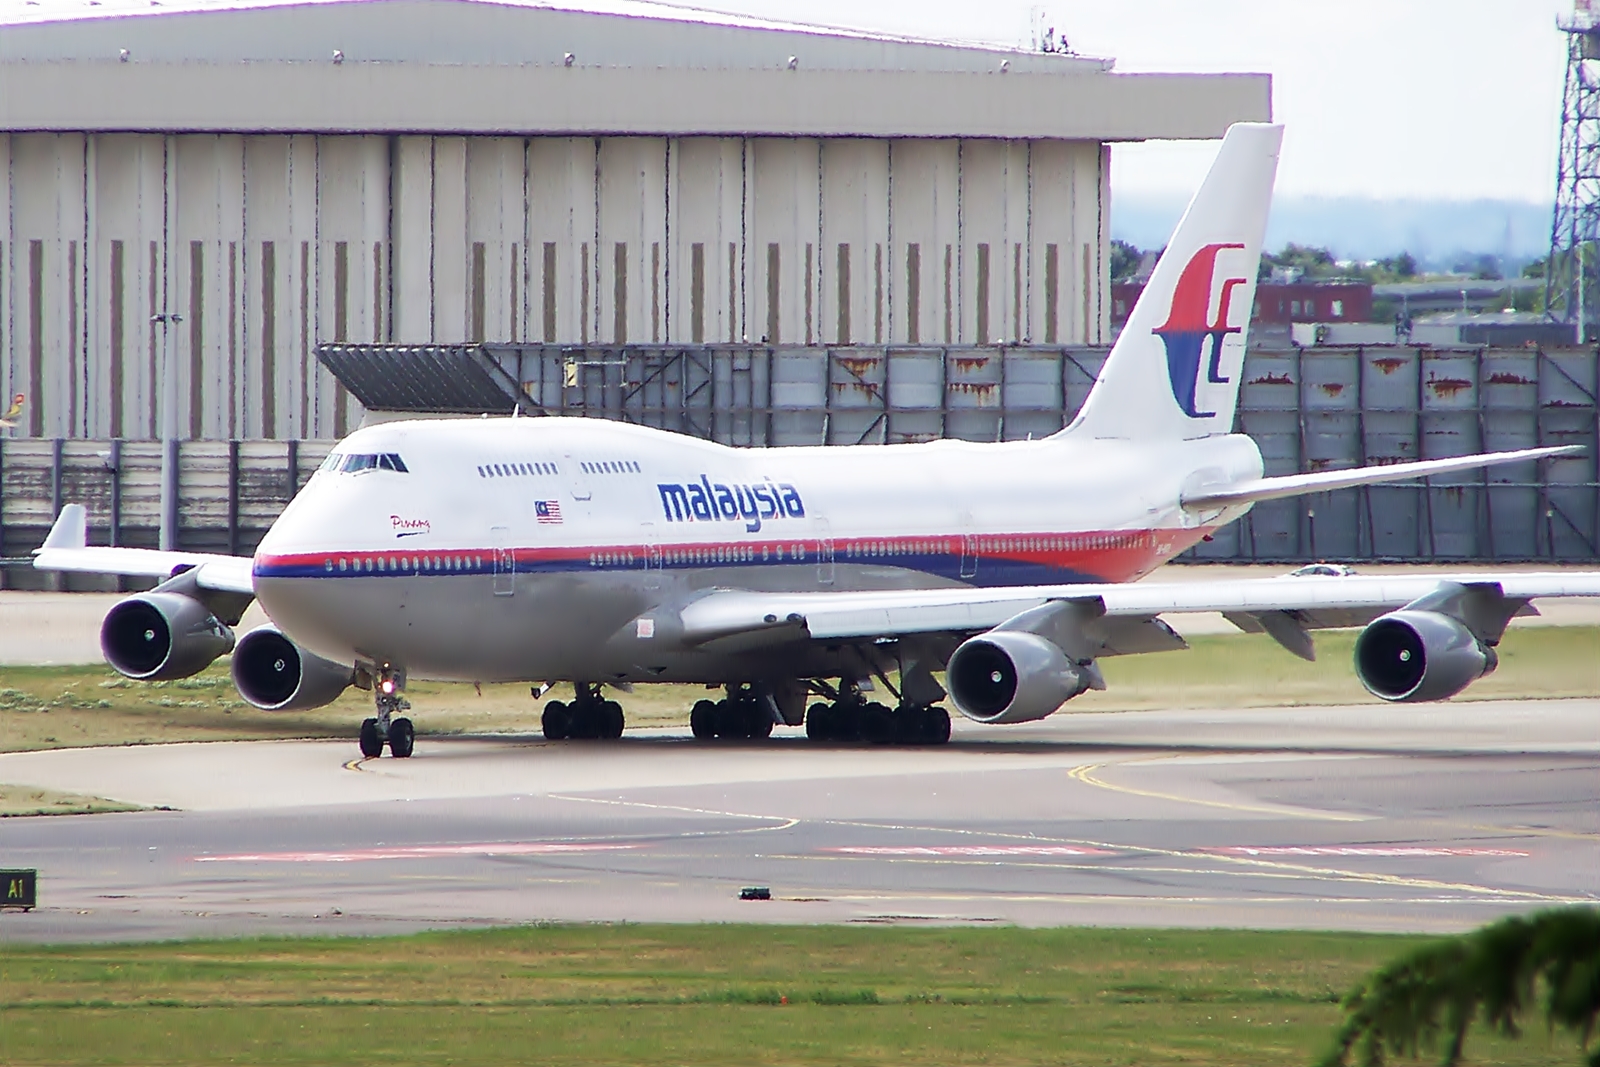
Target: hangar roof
x=596, y=32
x=636, y=67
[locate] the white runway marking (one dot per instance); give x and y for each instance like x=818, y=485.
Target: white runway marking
x=1401, y=851
x=970, y=850
x=494, y=848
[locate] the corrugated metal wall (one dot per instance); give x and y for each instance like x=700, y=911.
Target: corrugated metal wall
x=155, y=286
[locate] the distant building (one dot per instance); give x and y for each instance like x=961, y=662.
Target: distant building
x=1279, y=304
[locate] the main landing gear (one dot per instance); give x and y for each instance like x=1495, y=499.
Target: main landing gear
x=589, y=717
x=740, y=715
x=852, y=718
x=386, y=728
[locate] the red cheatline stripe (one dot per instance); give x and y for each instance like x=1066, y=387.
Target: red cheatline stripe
x=1401, y=851
x=497, y=848
x=970, y=850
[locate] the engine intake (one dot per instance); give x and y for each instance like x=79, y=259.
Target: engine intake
x=1006, y=676
x=1411, y=656
x=158, y=636
x=275, y=674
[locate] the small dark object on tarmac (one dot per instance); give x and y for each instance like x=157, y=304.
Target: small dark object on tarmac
x=755, y=892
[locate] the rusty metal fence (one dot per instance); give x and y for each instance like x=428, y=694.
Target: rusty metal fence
x=1308, y=408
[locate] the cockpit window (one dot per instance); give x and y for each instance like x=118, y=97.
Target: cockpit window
x=356, y=462
x=332, y=462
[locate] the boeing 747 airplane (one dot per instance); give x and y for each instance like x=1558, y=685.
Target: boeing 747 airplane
x=603, y=554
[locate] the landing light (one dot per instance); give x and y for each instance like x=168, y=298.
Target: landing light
x=388, y=685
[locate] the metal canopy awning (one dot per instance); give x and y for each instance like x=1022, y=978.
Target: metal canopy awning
x=450, y=379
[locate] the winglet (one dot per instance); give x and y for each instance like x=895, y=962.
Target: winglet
x=71, y=529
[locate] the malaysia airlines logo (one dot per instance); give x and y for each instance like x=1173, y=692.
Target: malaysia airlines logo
x=1186, y=330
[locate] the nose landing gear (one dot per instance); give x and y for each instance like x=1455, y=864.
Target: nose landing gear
x=386, y=728
x=589, y=717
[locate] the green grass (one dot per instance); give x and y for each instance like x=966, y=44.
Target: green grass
x=59, y=707
x=702, y=995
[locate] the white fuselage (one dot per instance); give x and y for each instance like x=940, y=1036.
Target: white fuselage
x=530, y=548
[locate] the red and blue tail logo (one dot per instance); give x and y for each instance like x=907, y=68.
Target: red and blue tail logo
x=1186, y=331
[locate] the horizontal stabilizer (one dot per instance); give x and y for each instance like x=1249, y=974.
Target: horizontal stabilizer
x=1257, y=489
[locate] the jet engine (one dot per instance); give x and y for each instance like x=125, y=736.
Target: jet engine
x=1006, y=676
x=275, y=674
x=157, y=636
x=1411, y=656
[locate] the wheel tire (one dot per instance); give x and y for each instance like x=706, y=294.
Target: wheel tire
x=402, y=738
x=760, y=724
x=819, y=722
x=936, y=726
x=724, y=721
x=585, y=722
x=846, y=721
x=371, y=739
x=556, y=721
x=612, y=720
x=703, y=720
x=877, y=724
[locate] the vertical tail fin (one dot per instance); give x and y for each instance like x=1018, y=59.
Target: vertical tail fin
x=1174, y=372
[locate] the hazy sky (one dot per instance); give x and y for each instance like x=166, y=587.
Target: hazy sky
x=1451, y=99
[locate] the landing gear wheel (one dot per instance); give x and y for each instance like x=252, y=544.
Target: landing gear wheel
x=877, y=724
x=936, y=726
x=556, y=721
x=371, y=739
x=402, y=738
x=819, y=722
x=703, y=720
x=611, y=720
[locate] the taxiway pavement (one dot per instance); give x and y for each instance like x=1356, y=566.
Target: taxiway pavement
x=1430, y=817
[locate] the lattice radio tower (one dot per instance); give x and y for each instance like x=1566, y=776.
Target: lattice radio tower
x=1574, y=264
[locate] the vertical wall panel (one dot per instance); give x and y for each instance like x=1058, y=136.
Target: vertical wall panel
x=203, y=263
x=280, y=214
x=706, y=198
x=1065, y=183
x=561, y=230
x=411, y=257
x=451, y=249
x=924, y=202
x=994, y=230
x=47, y=224
x=129, y=194
x=632, y=208
x=495, y=237
x=856, y=294
x=352, y=229
x=783, y=228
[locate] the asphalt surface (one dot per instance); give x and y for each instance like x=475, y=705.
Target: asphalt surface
x=1433, y=817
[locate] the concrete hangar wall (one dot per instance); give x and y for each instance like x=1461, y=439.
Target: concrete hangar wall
x=195, y=199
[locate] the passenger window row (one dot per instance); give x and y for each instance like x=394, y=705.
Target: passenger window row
x=515, y=470
x=612, y=466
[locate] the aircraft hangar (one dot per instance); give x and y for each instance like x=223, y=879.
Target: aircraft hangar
x=197, y=194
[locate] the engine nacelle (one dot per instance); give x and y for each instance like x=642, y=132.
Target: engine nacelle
x=1011, y=676
x=275, y=674
x=158, y=636
x=1411, y=656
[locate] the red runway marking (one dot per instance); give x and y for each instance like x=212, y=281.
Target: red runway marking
x=1401, y=851
x=970, y=850
x=501, y=848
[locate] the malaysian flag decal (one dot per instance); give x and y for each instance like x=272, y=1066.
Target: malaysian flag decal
x=547, y=511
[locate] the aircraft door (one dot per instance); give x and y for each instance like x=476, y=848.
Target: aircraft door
x=504, y=564
x=969, y=547
x=577, y=480
x=652, y=554
x=825, y=572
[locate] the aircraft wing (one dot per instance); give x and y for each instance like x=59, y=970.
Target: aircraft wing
x=1252, y=603
x=67, y=549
